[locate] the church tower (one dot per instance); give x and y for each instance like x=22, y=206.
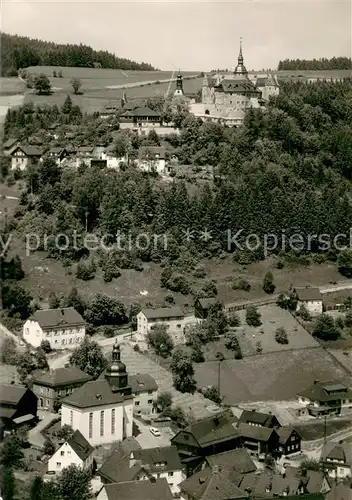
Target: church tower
x=116, y=373
x=240, y=70
x=179, y=85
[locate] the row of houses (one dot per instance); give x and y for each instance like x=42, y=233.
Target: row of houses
x=150, y=158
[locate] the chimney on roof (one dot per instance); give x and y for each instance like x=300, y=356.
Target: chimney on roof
x=341, y=442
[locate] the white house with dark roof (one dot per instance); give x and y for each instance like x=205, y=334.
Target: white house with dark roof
x=328, y=397
x=336, y=459
x=310, y=298
x=62, y=328
x=102, y=410
x=22, y=155
x=75, y=451
x=145, y=393
x=151, y=158
x=171, y=317
x=144, y=465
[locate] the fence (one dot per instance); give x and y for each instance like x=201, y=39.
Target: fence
x=243, y=305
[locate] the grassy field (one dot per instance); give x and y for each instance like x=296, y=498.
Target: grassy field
x=273, y=317
x=276, y=376
x=315, y=430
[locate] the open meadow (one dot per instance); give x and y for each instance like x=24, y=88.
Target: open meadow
x=272, y=317
x=276, y=376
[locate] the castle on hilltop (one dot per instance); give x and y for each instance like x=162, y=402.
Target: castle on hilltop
x=226, y=97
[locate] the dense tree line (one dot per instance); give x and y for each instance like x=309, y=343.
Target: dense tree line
x=315, y=64
x=21, y=52
x=288, y=168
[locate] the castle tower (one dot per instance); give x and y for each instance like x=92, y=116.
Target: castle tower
x=240, y=69
x=179, y=85
x=116, y=373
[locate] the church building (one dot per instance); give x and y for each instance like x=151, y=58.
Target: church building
x=227, y=97
x=102, y=410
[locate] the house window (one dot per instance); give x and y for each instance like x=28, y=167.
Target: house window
x=102, y=423
x=150, y=392
x=58, y=465
x=47, y=402
x=136, y=403
x=170, y=474
x=68, y=453
x=150, y=401
x=71, y=418
x=113, y=421
x=90, y=432
x=62, y=453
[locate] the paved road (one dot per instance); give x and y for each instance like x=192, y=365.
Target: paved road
x=35, y=437
x=147, y=440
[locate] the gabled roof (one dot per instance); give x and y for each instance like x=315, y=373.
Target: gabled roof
x=155, y=150
x=263, y=419
x=94, y=393
x=208, y=302
x=12, y=394
x=238, y=85
x=55, y=318
x=238, y=460
x=285, y=434
x=116, y=467
x=144, y=111
x=337, y=451
x=163, y=312
x=161, y=459
x=85, y=149
x=308, y=294
x=28, y=150
x=80, y=445
x=9, y=143
x=212, y=430
x=142, y=382
x=60, y=377
x=211, y=484
x=311, y=479
x=57, y=150
x=262, y=434
x=327, y=391
x=139, y=490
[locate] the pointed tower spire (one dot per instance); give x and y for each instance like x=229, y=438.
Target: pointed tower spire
x=240, y=69
x=179, y=84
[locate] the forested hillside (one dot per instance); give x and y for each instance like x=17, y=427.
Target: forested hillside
x=315, y=64
x=21, y=52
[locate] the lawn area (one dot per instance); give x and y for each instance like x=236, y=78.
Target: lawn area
x=277, y=376
x=273, y=317
x=315, y=430
x=8, y=373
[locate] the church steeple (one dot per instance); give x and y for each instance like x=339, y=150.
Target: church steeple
x=116, y=373
x=240, y=68
x=179, y=84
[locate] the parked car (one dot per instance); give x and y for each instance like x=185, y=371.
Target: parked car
x=155, y=431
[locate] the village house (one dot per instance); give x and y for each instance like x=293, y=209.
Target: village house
x=310, y=298
x=50, y=386
x=102, y=410
x=258, y=440
x=204, y=438
x=62, y=328
x=9, y=146
x=172, y=318
x=310, y=481
x=202, y=307
x=324, y=398
x=339, y=491
x=140, y=117
x=18, y=406
x=85, y=154
x=145, y=393
x=289, y=441
x=22, y=155
x=256, y=418
x=158, y=489
x=112, y=161
x=336, y=460
x=59, y=154
x=237, y=460
x=75, y=451
x=144, y=465
x=151, y=159
x=212, y=483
